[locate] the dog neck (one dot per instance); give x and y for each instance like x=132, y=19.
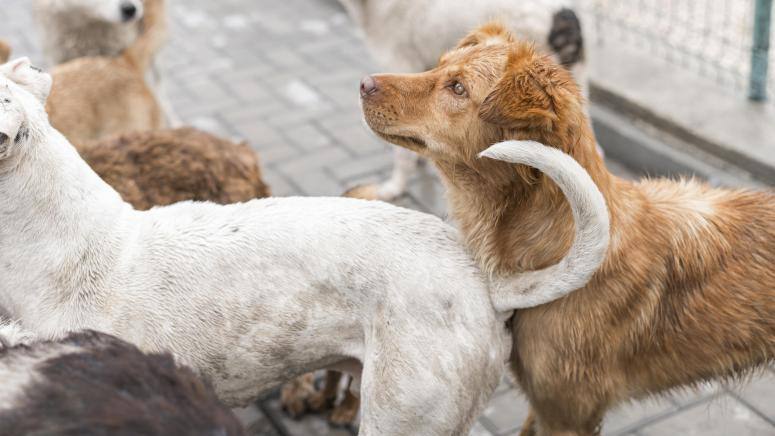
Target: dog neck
x=60, y=228
x=514, y=218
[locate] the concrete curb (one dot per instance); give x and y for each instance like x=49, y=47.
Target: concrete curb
x=654, y=151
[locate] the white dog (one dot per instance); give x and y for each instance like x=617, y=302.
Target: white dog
x=77, y=28
x=407, y=36
x=254, y=294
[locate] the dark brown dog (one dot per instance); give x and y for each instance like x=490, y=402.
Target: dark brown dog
x=167, y=166
x=687, y=293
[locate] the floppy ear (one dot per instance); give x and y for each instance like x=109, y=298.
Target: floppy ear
x=5, y=52
x=491, y=33
x=523, y=97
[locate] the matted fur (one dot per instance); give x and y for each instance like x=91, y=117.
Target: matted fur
x=100, y=96
x=90, y=383
x=686, y=292
x=168, y=166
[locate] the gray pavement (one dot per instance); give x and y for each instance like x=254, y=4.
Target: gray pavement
x=284, y=76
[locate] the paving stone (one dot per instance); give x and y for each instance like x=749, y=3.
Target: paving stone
x=723, y=416
x=633, y=415
x=760, y=395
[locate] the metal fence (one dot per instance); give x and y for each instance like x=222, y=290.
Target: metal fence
x=726, y=40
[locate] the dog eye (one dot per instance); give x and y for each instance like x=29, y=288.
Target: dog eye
x=458, y=89
x=34, y=68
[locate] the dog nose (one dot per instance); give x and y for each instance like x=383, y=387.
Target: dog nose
x=368, y=86
x=128, y=11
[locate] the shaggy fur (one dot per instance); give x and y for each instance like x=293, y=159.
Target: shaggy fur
x=72, y=29
x=101, y=96
x=413, y=45
x=168, y=166
x=253, y=294
x=686, y=291
x=94, y=384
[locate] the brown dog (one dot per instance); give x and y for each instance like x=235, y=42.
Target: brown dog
x=167, y=166
x=687, y=292
x=94, y=97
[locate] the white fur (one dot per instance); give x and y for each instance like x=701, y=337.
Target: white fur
x=251, y=294
x=76, y=28
x=409, y=36
x=590, y=215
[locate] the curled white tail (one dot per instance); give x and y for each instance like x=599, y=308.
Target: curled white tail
x=590, y=213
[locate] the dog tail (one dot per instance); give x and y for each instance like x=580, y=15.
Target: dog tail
x=5, y=52
x=153, y=36
x=566, y=38
x=590, y=213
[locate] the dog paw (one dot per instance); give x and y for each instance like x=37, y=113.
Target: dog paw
x=320, y=402
x=364, y=192
x=295, y=395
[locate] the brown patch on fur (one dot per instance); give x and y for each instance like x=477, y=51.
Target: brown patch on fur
x=5, y=52
x=686, y=293
x=164, y=167
x=94, y=97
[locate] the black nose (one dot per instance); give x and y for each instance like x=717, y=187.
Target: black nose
x=368, y=86
x=128, y=11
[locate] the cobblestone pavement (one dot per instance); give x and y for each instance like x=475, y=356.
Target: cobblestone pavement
x=284, y=76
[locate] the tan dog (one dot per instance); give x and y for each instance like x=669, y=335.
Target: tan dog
x=687, y=291
x=95, y=97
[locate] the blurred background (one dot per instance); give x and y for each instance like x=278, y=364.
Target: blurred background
x=678, y=87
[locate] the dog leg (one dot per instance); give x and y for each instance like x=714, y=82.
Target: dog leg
x=404, y=166
x=325, y=398
x=295, y=394
x=581, y=423
x=528, y=427
x=345, y=413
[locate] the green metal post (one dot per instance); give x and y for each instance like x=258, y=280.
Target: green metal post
x=760, y=51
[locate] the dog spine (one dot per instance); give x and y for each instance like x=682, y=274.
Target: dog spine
x=590, y=215
x=142, y=52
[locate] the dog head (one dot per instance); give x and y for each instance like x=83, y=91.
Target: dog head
x=111, y=11
x=488, y=89
x=23, y=92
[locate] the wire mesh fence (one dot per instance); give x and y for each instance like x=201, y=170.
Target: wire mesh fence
x=713, y=38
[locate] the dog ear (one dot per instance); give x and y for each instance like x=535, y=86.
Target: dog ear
x=491, y=33
x=524, y=95
x=5, y=52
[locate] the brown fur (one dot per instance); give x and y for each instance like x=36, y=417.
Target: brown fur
x=94, y=97
x=164, y=167
x=687, y=291
x=5, y=52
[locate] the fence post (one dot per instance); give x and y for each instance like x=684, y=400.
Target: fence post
x=760, y=50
